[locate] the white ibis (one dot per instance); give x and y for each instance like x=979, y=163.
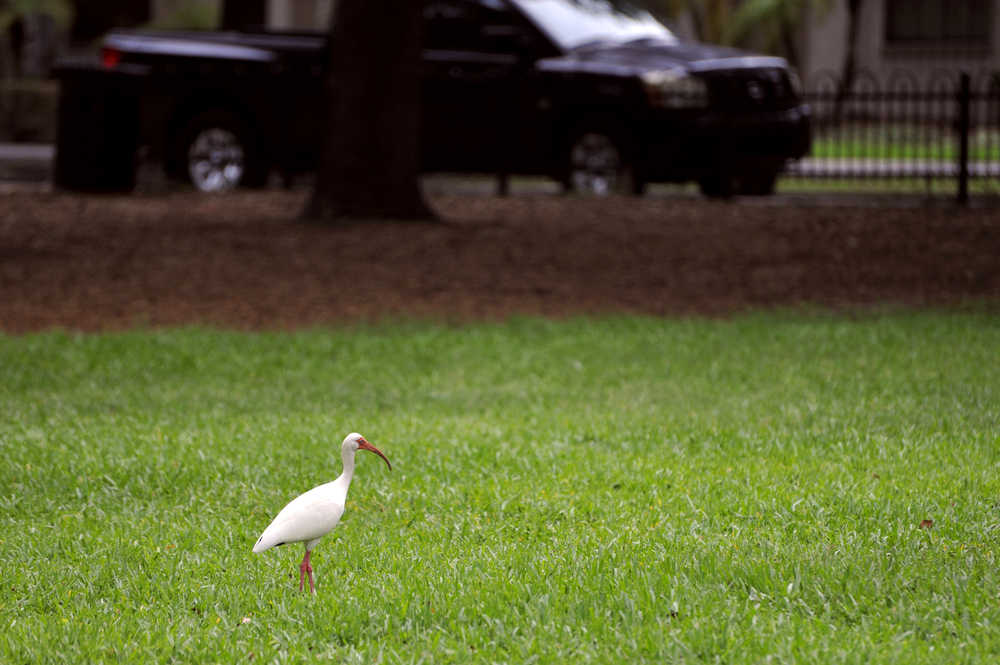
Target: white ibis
x=312, y=515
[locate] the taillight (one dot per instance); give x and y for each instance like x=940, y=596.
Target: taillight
x=110, y=57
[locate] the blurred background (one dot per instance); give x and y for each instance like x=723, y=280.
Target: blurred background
x=884, y=77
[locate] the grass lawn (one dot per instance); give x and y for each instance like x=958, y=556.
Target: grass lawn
x=944, y=189
x=902, y=142
x=610, y=490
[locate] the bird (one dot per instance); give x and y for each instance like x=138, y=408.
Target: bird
x=310, y=516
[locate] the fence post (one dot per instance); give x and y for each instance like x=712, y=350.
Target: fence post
x=964, y=106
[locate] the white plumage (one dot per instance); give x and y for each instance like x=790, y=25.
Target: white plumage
x=312, y=515
x=308, y=517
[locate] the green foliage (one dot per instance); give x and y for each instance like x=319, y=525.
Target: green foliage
x=189, y=15
x=709, y=17
x=596, y=490
x=770, y=25
x=11, y=10
x=771, y=16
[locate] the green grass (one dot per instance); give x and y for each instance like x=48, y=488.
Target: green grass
x=902, y=142
x=608, y=490
x=940, y=188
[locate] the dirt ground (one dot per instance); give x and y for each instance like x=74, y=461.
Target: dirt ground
x=242, y=261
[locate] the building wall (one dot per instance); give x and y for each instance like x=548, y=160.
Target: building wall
x=826, y=48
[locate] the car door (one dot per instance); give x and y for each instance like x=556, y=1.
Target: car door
x=478, y=79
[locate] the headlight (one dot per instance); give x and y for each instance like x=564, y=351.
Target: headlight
x=674, y=89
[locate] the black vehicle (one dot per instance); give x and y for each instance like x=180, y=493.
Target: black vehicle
x=598, y=97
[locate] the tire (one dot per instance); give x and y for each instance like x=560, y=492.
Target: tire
x=597, y=164
x=216, y=153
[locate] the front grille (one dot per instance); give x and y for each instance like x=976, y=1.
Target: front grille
x=749, y=90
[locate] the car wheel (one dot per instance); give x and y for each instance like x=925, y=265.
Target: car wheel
x=598, y=166
x=217, y=155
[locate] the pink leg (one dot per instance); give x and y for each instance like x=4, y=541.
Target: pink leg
x=306, y=569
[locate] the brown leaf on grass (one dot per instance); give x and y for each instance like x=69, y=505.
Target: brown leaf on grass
x=926, y=524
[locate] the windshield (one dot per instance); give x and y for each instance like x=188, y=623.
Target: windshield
x=573, y=23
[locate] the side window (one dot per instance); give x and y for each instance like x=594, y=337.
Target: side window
x=486, y=26
x=938, y=22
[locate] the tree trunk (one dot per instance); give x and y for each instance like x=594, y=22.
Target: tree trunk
x=788, y=26
x=241, y=14
x=697, y=21
x=370, y=158
x=849, y=70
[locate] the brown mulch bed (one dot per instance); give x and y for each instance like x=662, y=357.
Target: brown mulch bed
x=99, y=263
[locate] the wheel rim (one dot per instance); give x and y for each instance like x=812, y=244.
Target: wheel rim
x=595, y=165
x=216, y=160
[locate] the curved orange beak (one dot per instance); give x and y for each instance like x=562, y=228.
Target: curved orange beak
x=364, y=445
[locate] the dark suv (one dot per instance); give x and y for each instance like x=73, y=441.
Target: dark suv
x=600, y=97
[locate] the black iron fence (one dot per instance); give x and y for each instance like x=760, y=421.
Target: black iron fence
x=940, y=135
